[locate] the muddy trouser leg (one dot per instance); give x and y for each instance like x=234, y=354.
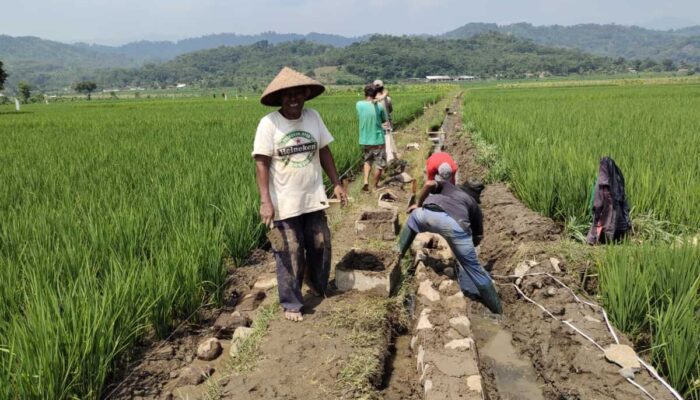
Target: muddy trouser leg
x=471, y=276
x=290, y=262
x=317, y=243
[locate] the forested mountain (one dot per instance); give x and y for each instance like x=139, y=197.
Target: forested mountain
x=165, y=50
x=386, y=57
x=48, y=63
x=682, y=45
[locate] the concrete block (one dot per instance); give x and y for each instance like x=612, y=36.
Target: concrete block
x=378, y=225
x=376, y=272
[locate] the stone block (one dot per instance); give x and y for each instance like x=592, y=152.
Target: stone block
x=375, y=272
x=427, y=295
x=461, y=325
x=377, y=225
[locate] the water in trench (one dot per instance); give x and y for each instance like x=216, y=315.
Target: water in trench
x=514, y=376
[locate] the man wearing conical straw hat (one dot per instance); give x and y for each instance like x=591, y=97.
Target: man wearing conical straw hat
x=291, y=152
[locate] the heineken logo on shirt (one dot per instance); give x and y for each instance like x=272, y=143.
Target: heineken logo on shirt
x=297, y=148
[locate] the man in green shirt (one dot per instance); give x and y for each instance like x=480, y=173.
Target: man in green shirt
x=371, y=116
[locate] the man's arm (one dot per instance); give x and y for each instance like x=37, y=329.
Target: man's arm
x=262, y=177
x=328, y=164
x=428, y=187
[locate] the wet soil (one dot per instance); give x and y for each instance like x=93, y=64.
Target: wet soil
x=317, y=358
x=366, y=260
x=567, y=365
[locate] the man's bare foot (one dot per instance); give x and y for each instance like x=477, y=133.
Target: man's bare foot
x=294, y=316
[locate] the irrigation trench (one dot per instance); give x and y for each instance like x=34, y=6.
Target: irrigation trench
x=425, y=342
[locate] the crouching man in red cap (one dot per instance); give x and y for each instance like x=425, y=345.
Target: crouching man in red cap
x=291, y=153
x=453, y=213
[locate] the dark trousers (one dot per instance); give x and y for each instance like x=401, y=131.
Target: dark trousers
x=303, y=246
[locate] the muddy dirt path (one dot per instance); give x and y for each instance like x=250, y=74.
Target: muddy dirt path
x=352, y=345
x=340, y=350
x=567, y=365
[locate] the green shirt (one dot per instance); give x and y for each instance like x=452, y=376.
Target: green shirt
x=371, y=116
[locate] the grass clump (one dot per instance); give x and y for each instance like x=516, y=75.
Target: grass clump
x=651, y=293
x=367, y=319
x=249, y=350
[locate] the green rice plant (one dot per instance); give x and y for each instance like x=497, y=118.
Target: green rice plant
x=116, y=217
x=651, y=293
x=551, y=139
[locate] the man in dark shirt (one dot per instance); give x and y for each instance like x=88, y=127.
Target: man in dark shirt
x=452, y=213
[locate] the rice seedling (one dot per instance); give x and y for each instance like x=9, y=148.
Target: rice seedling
x=547, y=142
x=115, y=220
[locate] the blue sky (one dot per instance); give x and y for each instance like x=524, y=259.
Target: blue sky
x=120, y=21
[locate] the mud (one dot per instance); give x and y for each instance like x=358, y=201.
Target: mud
x=513, y=375
x=366, y=260
x=567, y=365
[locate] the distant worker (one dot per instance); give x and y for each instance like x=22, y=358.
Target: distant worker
x=435, y=160
x=453, y=213
x=384, y=100
x=291, y=152
x=371, y=117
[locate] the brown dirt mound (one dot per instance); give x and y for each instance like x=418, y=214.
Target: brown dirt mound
x=569, y=366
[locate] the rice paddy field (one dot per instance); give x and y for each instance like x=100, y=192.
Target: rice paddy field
x=116, y=221
x=547, y=141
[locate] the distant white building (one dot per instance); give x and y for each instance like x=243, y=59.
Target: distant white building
x=438, y=78
x=465, y=78
x=180, y=85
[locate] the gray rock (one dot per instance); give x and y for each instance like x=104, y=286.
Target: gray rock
x=238, y=337
x=209, y=349
x=226, y=324
x=426, y=294
x=555, y=264
x=420, y=359
x=627, y=372
x=623, y=356
x=423, y=321
x=251, y=301
x=457, y=303
x=474, y=383
x=192, y=376
x=266, y=283
x=460, y=344
x=449, y=272
x=448, y=287
x=461, y=325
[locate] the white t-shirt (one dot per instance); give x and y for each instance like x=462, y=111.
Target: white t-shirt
x=296, y=176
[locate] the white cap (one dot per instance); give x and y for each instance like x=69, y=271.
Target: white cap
x=378, y=83
x=444, y=173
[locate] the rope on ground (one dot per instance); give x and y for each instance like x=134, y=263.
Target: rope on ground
x=649, y=368
x=569, y=324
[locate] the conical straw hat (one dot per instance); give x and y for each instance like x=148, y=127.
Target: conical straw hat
x=289, y=78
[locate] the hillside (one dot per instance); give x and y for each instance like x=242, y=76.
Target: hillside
x=388, y=57
x=165, y=50
x=45, y=62
x=631, y=42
